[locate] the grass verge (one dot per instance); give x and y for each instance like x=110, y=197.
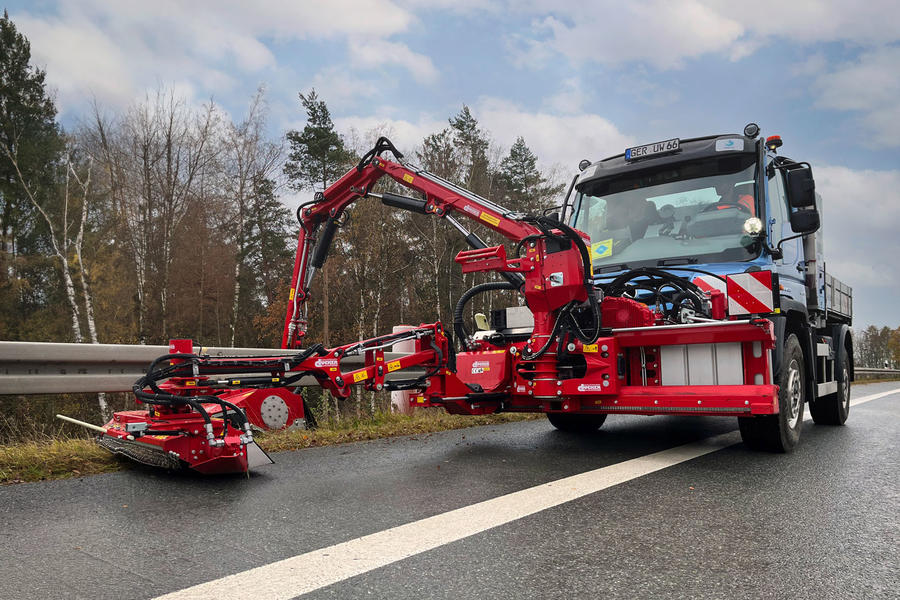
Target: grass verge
x=76, y=457
x=54, y=459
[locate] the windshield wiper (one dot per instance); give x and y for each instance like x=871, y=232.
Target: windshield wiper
x=610, y=268
x=673, y=262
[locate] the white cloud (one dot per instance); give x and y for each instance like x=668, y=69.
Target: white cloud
x=115, y=50
x=407, y=135
x=871, y=81
x=659, y=32
x=861, y=211
x=556, y=139
x=339, y=88
x=375, y=53
x=869, y=85
x=810, y=21
x=666, y=33
x=76, y=56
x=810, y=66
x=571, y=97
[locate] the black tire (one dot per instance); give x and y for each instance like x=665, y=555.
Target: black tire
x=781, y=432
x=575, y=423
x=834, y=409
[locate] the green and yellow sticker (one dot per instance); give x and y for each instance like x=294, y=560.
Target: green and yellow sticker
x=601, y=249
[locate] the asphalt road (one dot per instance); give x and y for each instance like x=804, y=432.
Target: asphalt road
x=822, y=522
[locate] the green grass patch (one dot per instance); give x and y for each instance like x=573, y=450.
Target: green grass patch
x=50, y=459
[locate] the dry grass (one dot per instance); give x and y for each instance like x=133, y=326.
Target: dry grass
x=54, y=459
x=76, y=457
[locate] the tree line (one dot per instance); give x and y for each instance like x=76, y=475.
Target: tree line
x=167, y=219
x=877, y=347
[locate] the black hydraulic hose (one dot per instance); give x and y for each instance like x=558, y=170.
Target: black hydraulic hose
x=527, y=355
x=568, y=232
x=459, y=327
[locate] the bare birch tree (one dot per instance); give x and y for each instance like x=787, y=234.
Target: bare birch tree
x=248, y=159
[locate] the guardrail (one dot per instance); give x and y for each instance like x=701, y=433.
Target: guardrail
x=872, y=371
x=55, y=368
x=52, y=368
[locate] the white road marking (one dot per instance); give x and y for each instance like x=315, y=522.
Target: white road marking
x=307, y=572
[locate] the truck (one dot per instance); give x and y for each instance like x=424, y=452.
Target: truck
x=685, y=277
x=726, y=204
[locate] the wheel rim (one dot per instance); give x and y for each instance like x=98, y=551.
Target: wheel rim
x=795, y=393
x=846, y=385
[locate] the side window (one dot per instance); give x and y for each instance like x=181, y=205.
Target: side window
x=777, y=204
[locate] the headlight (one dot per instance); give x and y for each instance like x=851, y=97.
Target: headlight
x=753, y=226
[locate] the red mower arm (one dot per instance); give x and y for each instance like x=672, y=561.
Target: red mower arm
x=320, y=218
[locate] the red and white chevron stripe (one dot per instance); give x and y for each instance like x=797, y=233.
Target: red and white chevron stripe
x=751, y=293
x=708, y=283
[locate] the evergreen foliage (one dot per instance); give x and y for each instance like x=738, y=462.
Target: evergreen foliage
x=318, y=156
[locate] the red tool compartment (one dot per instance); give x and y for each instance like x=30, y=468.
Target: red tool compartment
x=490, y=370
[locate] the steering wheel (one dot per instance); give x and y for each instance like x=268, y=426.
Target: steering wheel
x=725, y=205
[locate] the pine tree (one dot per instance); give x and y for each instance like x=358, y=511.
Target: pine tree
x=525, y=187
x=318, y=155
x=28, y=133
x=317, y=159
x=474, y=144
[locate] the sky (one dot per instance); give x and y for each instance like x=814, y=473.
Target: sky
x=577, y=80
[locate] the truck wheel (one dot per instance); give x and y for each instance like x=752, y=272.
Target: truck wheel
x=834, y=409
x=781, y=432
x=576, y=423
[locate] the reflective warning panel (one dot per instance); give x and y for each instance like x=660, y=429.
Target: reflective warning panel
x=752, y=293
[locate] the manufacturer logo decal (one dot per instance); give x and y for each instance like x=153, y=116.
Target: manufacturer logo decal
x=590, y=387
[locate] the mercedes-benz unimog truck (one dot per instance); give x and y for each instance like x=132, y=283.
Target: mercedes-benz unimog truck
x=707, y=207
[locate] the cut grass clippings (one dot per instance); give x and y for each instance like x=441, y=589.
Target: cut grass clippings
x=77, y=457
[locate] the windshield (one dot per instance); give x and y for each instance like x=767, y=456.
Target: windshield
x=680, y=214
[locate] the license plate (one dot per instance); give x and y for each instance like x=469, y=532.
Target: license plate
x=652, y=149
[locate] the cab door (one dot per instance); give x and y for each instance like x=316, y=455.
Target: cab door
x=790, y=266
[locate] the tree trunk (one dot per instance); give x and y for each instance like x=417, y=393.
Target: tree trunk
x=237, y=295
x=325, y=303
x=70, y=296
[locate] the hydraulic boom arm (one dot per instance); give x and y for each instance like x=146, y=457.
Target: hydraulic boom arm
x=320, y=218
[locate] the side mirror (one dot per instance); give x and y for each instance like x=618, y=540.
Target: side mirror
x=805, y=220
x=801, y=188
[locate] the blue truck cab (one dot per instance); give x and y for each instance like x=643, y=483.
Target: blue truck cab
x=707, y=207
